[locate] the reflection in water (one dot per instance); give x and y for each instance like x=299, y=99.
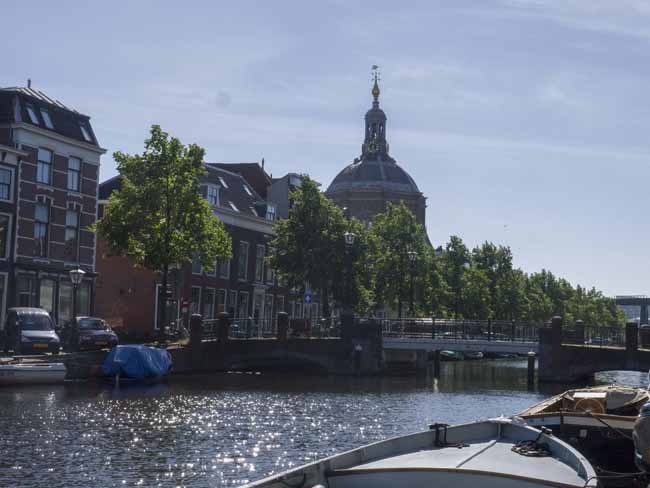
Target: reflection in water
x=226, y=429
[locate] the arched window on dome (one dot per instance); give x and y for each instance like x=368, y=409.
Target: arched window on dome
x=381, y=131
x=373, y=134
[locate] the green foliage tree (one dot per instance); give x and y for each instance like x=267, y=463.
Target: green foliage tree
x=455, y=262
x=310, y=250
x=159, y=216
x=393, y=235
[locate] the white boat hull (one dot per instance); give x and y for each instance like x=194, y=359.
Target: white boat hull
x=32, y=374
x=478, y=455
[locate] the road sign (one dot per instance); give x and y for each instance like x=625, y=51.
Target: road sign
x=307, y=297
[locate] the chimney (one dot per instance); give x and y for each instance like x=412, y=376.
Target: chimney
x=29, y=82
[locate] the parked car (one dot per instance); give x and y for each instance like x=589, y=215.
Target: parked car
x=29, y=331
x=87, y=333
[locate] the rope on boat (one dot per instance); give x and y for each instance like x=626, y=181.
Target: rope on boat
x=533, y=448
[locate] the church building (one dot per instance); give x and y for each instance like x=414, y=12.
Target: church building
x=374, y=178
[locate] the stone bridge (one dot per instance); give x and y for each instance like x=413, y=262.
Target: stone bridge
x=561, y=362
x=358, y=351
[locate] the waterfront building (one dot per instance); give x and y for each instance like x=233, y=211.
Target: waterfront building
x=374, y=179
x=244, y=286
x=49, y=170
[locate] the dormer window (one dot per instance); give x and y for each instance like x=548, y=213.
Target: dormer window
x=32, y=114
x=248, y=190
x=85, y=132
x=233, y=206
x=270, y=212
x=223, y=183
x=213, y=195
x=47, y=119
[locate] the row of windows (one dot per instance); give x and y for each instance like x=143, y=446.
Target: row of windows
x=42, y=232
x=42, y=293
x=47, y=121
x=213, y=196
x=209, y=302
x=222, y=268
x=44, y=170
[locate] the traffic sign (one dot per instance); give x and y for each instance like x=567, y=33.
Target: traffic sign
x=307, y=297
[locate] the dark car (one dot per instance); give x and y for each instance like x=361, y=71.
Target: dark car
x=87, y=333
x=29, y=331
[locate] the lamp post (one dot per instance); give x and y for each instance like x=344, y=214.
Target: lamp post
x=76, y=277
x=412, y=258
x=350, y=237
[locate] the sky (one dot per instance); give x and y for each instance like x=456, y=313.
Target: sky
x=523, y=122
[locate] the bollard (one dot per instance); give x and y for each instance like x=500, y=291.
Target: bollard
x=196, y=330
x=579, y=336
x=223, y=327
x=531, y=370
x=436, y=363
x=631, y=336
x=283, y=326
x=556, y=330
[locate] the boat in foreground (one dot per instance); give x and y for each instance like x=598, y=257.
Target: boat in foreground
x=598, y=421
x=32, y=374
x=493, y=453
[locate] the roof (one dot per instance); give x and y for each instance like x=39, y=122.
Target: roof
x=234, y=189
x=14, y=105
x=254, y=173
x=369, y=173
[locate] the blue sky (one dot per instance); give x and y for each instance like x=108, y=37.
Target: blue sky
x=524, y=122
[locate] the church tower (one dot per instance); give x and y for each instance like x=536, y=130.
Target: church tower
x=374, y=178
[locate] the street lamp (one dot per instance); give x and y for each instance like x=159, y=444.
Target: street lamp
x=76, y=276
x=412, y=258
x=350, y=237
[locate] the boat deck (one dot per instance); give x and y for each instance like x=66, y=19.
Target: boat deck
x=490, y=456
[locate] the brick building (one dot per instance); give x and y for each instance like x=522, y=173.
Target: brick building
x=49, y=169
x=243, y=286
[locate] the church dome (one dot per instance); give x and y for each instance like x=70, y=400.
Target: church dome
x=374, y=173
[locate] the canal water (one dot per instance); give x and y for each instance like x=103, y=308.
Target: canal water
x=227, y=429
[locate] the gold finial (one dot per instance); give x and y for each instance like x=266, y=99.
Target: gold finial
x=375, y=75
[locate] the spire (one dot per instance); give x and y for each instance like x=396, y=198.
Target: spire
x=375, y=88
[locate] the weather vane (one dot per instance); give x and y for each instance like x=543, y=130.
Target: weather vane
x=375, y=72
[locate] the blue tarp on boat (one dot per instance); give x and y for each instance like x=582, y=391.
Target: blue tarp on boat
x=137, y=362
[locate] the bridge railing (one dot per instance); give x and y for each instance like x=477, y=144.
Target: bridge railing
x=489, y=330
x=594, y=335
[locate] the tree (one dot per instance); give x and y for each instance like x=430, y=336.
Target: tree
x=393, y=235
x=456, y=260
x=309, y=248
x=159, y=216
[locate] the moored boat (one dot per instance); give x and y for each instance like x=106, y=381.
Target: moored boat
x=474, y=355
x=492, y=453
x=137, y=363
x=32, y=374
x=447, y=355
x=598, y=421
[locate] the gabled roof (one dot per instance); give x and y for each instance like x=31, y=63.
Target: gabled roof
x=14, y=104
x=233, y=193
x=254, y=173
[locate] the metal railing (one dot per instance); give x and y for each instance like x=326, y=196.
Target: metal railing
x=489, y=330
x=594, y=335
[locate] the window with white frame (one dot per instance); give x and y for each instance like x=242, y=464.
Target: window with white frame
x=242, y=308
x=47, y=119
x=71, y=233
x=247, y=190
x=224, y=269
x=32, y=114
x=259, y=263
x=6, y=177
x=195, y=299
x=270, y=212
x=223, y=182
x=208, y=303
x=41, y=229
x=196, y=266
x=44, y=166
x=74, y=173
x=221, y=301
x=213, y=195
x=232, y=302
x=5, y=236
x=242, y=268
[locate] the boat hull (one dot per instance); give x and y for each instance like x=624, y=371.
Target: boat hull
x=19, y=374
